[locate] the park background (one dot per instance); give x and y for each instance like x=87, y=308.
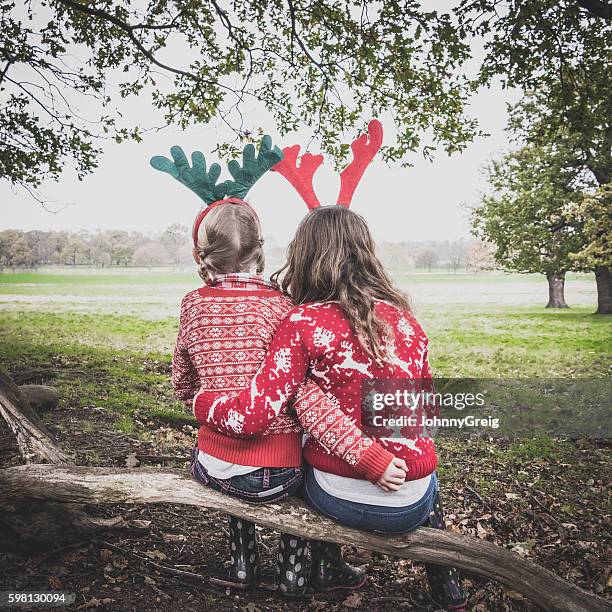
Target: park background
x=91, y=276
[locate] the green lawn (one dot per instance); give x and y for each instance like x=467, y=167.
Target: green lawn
x=518, y=342
x=104, y=340
x=108, y=337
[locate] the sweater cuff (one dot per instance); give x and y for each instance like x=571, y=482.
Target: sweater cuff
x=374, y=462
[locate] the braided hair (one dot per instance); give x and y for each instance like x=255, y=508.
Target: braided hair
x=229, y=240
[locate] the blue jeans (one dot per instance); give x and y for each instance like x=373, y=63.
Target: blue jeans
x=379, y=519
x=262, y=486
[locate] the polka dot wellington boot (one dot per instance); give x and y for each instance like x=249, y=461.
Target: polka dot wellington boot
x=244, y=555
x=330, y=572
x=291, y=566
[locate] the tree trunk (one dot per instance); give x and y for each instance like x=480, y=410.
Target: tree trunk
x=556, y=289
x=35, y=444
x=72, y=484
x=603, y=276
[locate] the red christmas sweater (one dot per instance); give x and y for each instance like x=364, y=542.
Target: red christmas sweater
x=317, y=340
x=224, y=332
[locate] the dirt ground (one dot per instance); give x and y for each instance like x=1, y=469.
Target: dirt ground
x=163, y=558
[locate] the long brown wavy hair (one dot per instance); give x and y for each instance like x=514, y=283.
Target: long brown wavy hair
x=332, y=259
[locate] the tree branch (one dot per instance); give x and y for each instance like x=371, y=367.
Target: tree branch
x=129, y=30
x=5, y=70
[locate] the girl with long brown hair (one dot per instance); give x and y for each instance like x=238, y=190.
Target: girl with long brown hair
x=352, y=332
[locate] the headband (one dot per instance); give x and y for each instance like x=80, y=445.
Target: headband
x=204, y=183
x=364, y=149
x=205, y=211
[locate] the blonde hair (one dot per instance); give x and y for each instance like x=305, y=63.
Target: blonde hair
x=332, y=258
x=229, y=240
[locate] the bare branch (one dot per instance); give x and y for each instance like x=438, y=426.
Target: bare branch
x=129, y=30
x=4, y=72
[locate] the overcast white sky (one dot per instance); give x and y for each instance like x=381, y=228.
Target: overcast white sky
x=423, y=202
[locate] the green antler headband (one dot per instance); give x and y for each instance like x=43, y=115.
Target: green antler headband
x=253, y=168
x=204, y=184
x=195, y=177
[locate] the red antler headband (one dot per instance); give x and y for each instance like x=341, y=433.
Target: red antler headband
x=364, y=149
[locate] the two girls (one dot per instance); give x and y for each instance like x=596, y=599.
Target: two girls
x=225, y=328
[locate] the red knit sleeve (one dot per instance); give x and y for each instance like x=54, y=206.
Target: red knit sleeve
x=185, y=379
x=250, y=412
x=430, y=407
x=321, y=417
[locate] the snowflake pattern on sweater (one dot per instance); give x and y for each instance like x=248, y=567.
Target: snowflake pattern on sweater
x=222, y=341
x=317, y=340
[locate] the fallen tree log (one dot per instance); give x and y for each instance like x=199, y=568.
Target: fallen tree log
x=72, y=484
x=26, y=527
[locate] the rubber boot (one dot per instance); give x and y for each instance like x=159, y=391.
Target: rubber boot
x=446, y=590
x=444, y=581
x=330, y=572
x=291, y=566
x=244, y=555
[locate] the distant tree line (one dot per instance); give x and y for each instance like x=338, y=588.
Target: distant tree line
x=33, y=249
x=449, y=255
x=469, y=255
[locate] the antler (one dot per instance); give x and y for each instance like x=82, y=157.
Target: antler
x=253, y=168
x=364, y=150
x=202, y=183
x=300, y=177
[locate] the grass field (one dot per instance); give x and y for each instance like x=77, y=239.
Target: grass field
x=118, y=328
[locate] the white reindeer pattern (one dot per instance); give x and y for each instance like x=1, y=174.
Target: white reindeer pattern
x=394, y=358
x=276, y=405
x=235, y=421
x=349, y=363
x=421, y=358
x=282, y=361
x=298, y=316
x=322, y=374
x=219, y=401
x=323, y=338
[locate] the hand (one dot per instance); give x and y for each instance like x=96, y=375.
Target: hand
x=394, y=476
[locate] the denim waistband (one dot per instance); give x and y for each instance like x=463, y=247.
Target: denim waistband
x=261, y=486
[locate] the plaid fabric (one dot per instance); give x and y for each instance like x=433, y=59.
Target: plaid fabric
x=242, y=280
